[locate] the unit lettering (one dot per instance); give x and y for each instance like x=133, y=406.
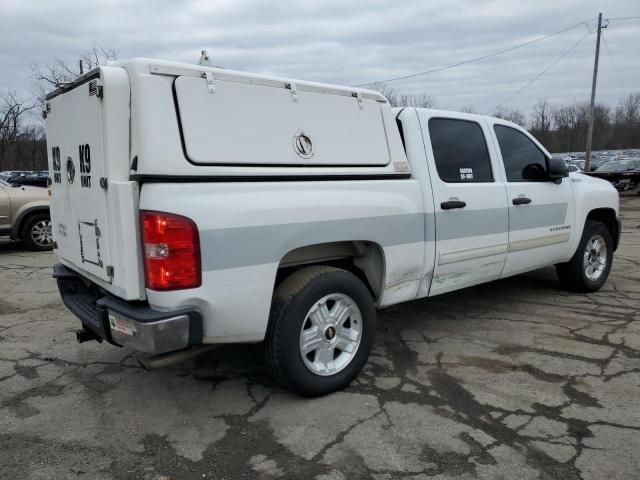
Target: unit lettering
x=55, y=157
x=84, y=154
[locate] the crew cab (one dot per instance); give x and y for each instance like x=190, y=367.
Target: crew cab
x=195, y=205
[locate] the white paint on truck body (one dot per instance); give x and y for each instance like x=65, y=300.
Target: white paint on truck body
x=246, y=228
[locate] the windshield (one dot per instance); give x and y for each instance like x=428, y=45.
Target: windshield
x=616, y=166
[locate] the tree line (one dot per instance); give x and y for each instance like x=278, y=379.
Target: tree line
x=563, y=128
x=559, y=127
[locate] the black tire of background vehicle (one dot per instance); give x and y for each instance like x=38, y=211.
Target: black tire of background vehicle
x=26, y=232
x=290, y=304
x=572, y=274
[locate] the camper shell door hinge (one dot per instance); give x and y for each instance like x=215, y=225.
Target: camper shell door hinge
x=211, y=81
x=294, y=90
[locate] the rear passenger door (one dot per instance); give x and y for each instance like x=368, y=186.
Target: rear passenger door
x=470, y=223
x=541, y=212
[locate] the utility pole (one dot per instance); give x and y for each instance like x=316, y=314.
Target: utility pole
x=587, y=155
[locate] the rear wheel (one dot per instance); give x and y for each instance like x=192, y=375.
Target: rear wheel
x=589, y=267
x=36, y=233
x=320, y=331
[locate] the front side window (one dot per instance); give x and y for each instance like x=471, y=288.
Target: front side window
x=460, y=151
x=523, y=160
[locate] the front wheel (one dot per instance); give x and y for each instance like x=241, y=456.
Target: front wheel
x=321, y=330
x=589, y=267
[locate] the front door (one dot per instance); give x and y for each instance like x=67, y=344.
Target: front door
x=541, y=212
x=471, y=215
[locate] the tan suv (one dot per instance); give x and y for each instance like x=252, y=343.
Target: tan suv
x=24, y=215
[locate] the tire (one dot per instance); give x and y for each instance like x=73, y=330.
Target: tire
x=577, y=274
x=342, y=342
x=36, y=232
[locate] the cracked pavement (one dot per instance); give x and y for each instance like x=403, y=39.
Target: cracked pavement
x=512, y=379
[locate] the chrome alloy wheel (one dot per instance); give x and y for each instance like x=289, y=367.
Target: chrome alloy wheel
x=41, y=233
x=595, y=258
x=330, y=334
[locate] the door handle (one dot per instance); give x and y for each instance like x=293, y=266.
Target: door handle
x=521, y=201
x=452, y=204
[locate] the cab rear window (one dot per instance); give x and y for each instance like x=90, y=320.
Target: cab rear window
x=460, y=151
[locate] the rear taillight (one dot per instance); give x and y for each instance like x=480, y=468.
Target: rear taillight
x=171, y=248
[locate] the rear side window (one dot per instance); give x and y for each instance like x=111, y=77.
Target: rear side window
x=523, y=160
x=460, y=151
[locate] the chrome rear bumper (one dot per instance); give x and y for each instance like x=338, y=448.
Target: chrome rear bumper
x=127, y=324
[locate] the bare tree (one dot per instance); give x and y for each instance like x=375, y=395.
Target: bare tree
x=468, y=109
x=515, y=116
x=627, y=121
x=397, y=99
x=59, y=71
x=12, y=110
x=421, y=100
x=541, y=125
x=566, y=121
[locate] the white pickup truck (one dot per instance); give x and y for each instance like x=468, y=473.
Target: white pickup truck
x=195, y=205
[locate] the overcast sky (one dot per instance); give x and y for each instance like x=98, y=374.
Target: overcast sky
x=344, y=42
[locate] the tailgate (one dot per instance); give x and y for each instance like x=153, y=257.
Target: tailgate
x=93, y=203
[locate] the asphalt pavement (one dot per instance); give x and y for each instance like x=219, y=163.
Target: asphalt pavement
x=515, y=379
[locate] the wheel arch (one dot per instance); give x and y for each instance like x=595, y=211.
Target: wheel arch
x=608, y=217
x=363, y=258
x=22, y=217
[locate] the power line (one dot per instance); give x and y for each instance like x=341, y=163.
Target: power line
x=624, y=18
x=615, y=68
x=477, y=58
x=564, y=54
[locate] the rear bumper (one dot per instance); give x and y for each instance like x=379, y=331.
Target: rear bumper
x=131, y=324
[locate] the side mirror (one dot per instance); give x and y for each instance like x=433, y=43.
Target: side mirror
x=557, y=169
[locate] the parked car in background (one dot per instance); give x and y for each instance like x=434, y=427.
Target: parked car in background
x=597, y=162
x=24, y=215
x=32, y=179
x=624, y=174
x=36, y=178
x=12, y=173
x=579, y=164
